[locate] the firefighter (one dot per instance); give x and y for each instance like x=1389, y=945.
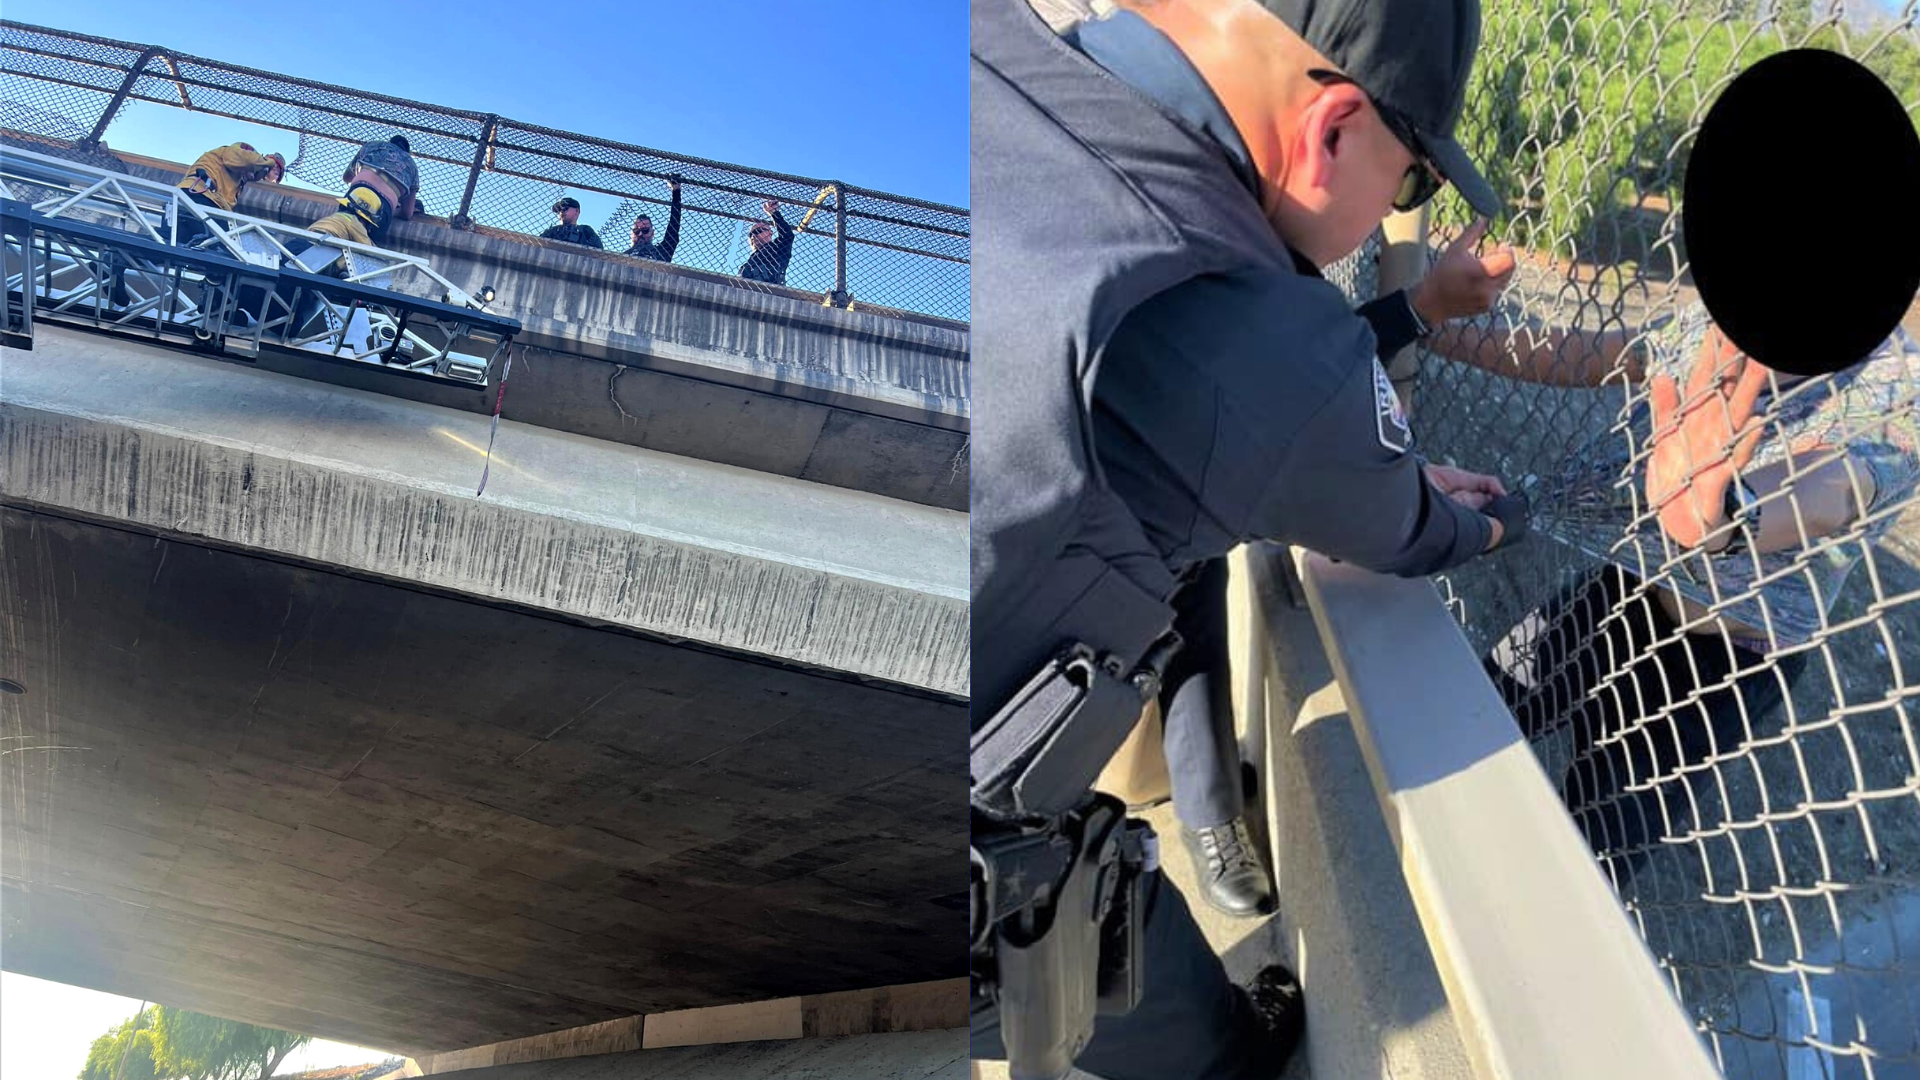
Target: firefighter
x=218, y=176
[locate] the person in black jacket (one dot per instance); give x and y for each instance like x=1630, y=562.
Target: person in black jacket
x=643, y=245
x=768, y=262
x=1196, y=700
x=570, y=230
x=1161, y=373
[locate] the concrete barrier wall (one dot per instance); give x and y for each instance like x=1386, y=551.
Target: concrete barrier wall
x=940, y=1005
x=825, y=578
x=1497, y=900
x=1376, y=1006
x=909, y=1055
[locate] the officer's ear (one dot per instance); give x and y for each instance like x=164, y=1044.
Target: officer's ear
x=1328, y=133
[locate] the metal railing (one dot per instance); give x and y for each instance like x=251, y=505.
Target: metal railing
x=97, y=248
x=1734, y=734
x=852, y=245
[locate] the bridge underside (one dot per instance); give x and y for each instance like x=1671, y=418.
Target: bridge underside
x=906, y=1055
x=418, y=821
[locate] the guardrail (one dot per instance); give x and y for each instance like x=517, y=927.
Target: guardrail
x=484, y=169
x=1543, y=974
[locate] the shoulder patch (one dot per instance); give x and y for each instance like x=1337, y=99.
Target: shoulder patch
x=1390, y=420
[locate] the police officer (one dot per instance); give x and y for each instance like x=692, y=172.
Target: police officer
x=768, y=261
x=1196, y=697
x=1161, y=373
x=570, y=230
x=644, y=246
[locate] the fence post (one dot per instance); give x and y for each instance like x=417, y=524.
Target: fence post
x=840, y=297
x=460, y=220
x=1403, y=261
x=120, y=96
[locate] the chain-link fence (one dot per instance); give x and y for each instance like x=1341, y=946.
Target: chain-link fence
x=854, y=246
x=1729, y=708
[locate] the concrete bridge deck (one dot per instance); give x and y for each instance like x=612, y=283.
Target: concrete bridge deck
x=361, y=755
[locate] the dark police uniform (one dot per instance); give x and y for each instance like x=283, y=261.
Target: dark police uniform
x=662, y=251
x=769, y=264
x=1157, y=379
x=1196, y=702
x=575, y=233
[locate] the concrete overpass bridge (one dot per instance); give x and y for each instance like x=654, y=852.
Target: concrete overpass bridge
x=303, y=733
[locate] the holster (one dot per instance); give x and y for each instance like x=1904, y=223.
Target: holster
x=1057, y=917
x=1063, y=947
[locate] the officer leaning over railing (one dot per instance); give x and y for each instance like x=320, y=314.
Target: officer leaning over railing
x=1161, y=374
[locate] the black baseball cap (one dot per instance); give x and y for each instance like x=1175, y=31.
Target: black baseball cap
x=1413, y=58
x=568, y=203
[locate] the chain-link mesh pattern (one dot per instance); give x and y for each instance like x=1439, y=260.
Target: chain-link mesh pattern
x=1747, y=764
x=57, y=85
x=900, y=253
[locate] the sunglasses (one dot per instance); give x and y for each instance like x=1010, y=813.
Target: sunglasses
x=1423, y=179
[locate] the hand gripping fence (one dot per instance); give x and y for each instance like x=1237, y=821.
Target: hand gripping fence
x=1734, y=733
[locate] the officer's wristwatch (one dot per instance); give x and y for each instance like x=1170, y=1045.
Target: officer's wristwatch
x=1420, y=328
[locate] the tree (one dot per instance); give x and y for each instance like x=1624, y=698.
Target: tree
x=1583, y=111
x=164, y=1043
x=125, y=1052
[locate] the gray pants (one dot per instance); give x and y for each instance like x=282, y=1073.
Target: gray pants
x=1196, y=707
x=1191, y=1023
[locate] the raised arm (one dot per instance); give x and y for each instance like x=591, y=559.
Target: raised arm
x=1464, y=284
x=783, y=242
x=672, y=238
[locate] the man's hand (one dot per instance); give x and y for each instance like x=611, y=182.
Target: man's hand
x=773, y=207
x=1698, y=451
x=673, y=183
x=1463, y=284
x=1470, y=489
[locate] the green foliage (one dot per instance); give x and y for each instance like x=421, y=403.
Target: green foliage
x=1583, y=111
x=132, y=1039
x=164, y=1043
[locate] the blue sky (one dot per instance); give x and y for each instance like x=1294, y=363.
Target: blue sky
x=871, y=93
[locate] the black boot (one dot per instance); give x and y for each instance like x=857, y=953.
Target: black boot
x=1231, y=874
x=1280, y=1014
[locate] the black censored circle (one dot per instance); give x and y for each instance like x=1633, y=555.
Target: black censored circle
x=1802, y=212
